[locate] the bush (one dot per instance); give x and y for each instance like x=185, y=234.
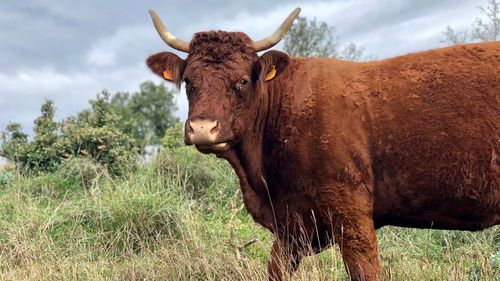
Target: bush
x=185, y=162
x=94, y=134
x=13, y=142
x=174, y=136
x=6, y=178
x=44, y=152
x=99, y=137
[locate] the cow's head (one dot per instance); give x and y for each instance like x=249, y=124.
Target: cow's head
x=224, y=78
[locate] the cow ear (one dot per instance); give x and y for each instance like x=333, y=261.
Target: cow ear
x=167, y=65
x=270, y=65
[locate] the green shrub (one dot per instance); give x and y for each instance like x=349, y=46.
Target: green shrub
x=209, y=180
x=44, y=152
x=6, y=177
x=94, y=134
x=98, y=136
x=174, y=136
x=13, y=142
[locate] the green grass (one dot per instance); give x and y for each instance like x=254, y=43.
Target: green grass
x=181, y=218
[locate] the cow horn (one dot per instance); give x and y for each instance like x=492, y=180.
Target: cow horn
x=168, y=37
x=274, y=38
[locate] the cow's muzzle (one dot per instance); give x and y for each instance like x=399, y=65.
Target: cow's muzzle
x=205, y=134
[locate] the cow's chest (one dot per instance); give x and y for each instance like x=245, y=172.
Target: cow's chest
x=297, y=216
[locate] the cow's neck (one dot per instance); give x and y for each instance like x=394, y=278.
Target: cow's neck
x=248, y=159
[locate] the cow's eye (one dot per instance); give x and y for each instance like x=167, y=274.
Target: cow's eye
x=238, y=86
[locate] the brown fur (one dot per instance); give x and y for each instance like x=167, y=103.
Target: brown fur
x=331, y=150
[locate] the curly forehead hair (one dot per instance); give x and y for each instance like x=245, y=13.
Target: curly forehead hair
x=218, y=46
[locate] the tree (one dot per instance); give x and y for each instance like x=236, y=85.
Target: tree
x=317, y=39
x=174, y=137
x=482, y=30
x=146, y=114
x=13, y=141
x=41, y=152
x=99, y=137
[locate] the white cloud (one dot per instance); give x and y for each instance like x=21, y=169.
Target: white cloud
x=32, y=81
x=101, y=57
x=122, y=47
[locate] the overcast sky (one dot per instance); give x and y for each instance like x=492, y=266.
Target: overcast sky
x=68, y=51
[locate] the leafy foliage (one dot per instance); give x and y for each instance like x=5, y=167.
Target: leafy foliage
x=147, y=114
x=94, y=134
x=312, y=38
x=44, y=151
x=13, y=141
x=482, y=30
x=100, y=138
x=173, y=136
x=6, y=177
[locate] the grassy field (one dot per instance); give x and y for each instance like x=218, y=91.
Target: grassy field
x=180, y=217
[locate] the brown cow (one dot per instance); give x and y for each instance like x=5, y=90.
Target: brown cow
x=329, y=150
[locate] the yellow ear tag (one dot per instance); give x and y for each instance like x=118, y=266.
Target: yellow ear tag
x=167, y=75
x=270, y=75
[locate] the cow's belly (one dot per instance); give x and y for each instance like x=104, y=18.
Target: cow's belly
x=421, y=208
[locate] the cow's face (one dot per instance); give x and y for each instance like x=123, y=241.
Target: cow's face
x=225, y=83
x=221, y=74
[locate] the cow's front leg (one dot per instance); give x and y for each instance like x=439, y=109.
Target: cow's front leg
x=355, y=235
x=283, y=259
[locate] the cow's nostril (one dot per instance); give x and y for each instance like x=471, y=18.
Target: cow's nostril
x=190, y=127
x=214, y=127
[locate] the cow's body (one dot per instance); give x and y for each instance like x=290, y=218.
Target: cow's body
x=329, y=150
x=418, y=134
x=410, y=141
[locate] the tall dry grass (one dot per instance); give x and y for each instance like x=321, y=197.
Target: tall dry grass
x=180, y=217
